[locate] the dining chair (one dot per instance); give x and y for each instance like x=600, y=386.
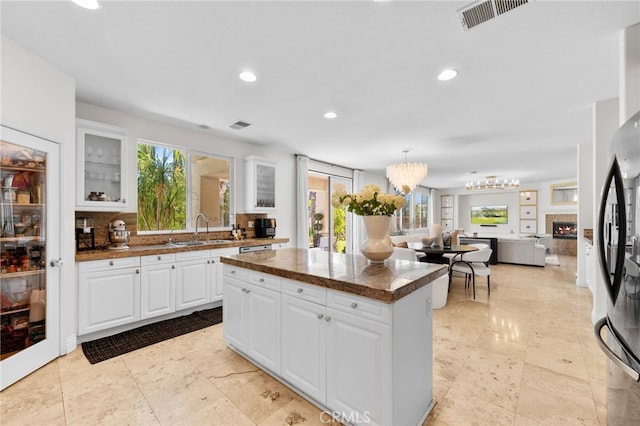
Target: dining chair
x=402, y=253
x=452, y=257
x=471, y=264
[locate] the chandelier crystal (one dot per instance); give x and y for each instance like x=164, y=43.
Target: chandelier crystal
x=406, y=174
x=491, y=184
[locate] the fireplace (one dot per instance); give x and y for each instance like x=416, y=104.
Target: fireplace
x=565, y=230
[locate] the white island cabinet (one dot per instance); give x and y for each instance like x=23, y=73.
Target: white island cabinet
x=253, y=315
x=358, y=346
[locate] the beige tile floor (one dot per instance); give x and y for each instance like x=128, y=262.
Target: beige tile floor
x=523, y=356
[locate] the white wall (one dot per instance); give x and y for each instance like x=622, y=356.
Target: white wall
x=142, y=128
x=39, y=99
x=464, y=200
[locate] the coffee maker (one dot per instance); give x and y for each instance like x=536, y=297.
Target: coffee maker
x=85, y=236
x=265, y=227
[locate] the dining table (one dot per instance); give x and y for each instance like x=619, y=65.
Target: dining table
x=435, y=254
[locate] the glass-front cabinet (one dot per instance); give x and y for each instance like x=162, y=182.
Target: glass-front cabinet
x=260, y=181
x=101, y=174
x=28, y=288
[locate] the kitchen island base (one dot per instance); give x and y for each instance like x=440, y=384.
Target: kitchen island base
x=361, y=360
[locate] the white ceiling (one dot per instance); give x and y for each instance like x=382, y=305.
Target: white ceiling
x=518, y=109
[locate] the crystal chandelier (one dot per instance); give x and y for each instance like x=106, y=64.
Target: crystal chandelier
x=406, y=174
x=491, y=183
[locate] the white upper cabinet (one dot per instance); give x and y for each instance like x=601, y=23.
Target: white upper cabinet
x=101, y=173
x=260, y=181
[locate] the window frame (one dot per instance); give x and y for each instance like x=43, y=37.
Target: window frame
x=189, y=153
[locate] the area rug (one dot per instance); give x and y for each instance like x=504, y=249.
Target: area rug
x=130, y=340
x=552, y=259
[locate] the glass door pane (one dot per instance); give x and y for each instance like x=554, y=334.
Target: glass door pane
x=22, y=248
x=29, y=254
x=329, y=228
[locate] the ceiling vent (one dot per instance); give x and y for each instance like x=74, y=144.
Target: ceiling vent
x=484, y=10
x=239, y=125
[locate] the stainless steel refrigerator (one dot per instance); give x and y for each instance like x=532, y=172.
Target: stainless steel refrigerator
x=618, y=249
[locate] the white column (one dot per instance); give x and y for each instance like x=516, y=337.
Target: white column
x=605, y=124
x=629, y=72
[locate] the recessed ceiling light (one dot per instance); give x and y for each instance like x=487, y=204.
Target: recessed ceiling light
x=330, y=115
x=247, y=76
x=87, y=4
x=447, y=74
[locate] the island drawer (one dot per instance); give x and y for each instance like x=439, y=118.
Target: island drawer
x=360, y=306
x=235, y=272
x=261, y=279
x=309, y=292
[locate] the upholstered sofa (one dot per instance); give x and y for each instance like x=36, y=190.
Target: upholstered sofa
x=521, y=251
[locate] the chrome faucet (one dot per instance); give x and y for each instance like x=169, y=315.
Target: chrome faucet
x=206, y=221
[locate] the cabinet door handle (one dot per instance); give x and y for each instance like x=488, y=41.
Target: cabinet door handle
x=111, y=263
x=320, y=316
x=327, y=319
x=354, y=305
x=261, y=280
x=233, y=272
x=173, y=266
x=159, y=257
x=300, y=290
x=137, y=271
x=248, y=291
x=208, y=261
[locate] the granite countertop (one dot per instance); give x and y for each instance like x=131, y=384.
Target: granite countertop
x=386, y=282
x=145, y=250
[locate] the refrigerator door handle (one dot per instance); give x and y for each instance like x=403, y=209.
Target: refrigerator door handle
x=614, y=176
x=612, y=356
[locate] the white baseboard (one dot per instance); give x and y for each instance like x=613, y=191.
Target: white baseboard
x=70, y=344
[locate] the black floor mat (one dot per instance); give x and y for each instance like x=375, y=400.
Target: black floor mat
x=127, y=341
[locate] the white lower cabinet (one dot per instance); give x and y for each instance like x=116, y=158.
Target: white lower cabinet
x=193, y=270
x=157, y=285
x=304, y=358
x=217, y=271
x=359, y=379
x=108, y=293
x=252, y=316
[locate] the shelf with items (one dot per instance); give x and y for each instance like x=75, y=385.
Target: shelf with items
x=260, y=180
x=528, y=212
x=446, y=212
x=100, y=153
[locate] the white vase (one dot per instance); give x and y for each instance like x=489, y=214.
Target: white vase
x=377, y=247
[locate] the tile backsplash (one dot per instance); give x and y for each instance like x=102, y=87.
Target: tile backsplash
x=101, y=222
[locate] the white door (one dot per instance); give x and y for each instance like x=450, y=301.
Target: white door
x=30, y=249
x=157, y=290
x=108, y=299
x=264, y=327
x=359, y=367
x=303, y=346
x=193, y=283
x=234, y=313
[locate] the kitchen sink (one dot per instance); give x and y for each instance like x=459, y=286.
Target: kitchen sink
x=187, y=243
x=197, y=243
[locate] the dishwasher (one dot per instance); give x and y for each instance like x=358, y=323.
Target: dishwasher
x=253, y=249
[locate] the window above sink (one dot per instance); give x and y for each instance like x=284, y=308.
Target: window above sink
x=175, y=184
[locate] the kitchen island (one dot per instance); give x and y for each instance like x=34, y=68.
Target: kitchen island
x=353, y=338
